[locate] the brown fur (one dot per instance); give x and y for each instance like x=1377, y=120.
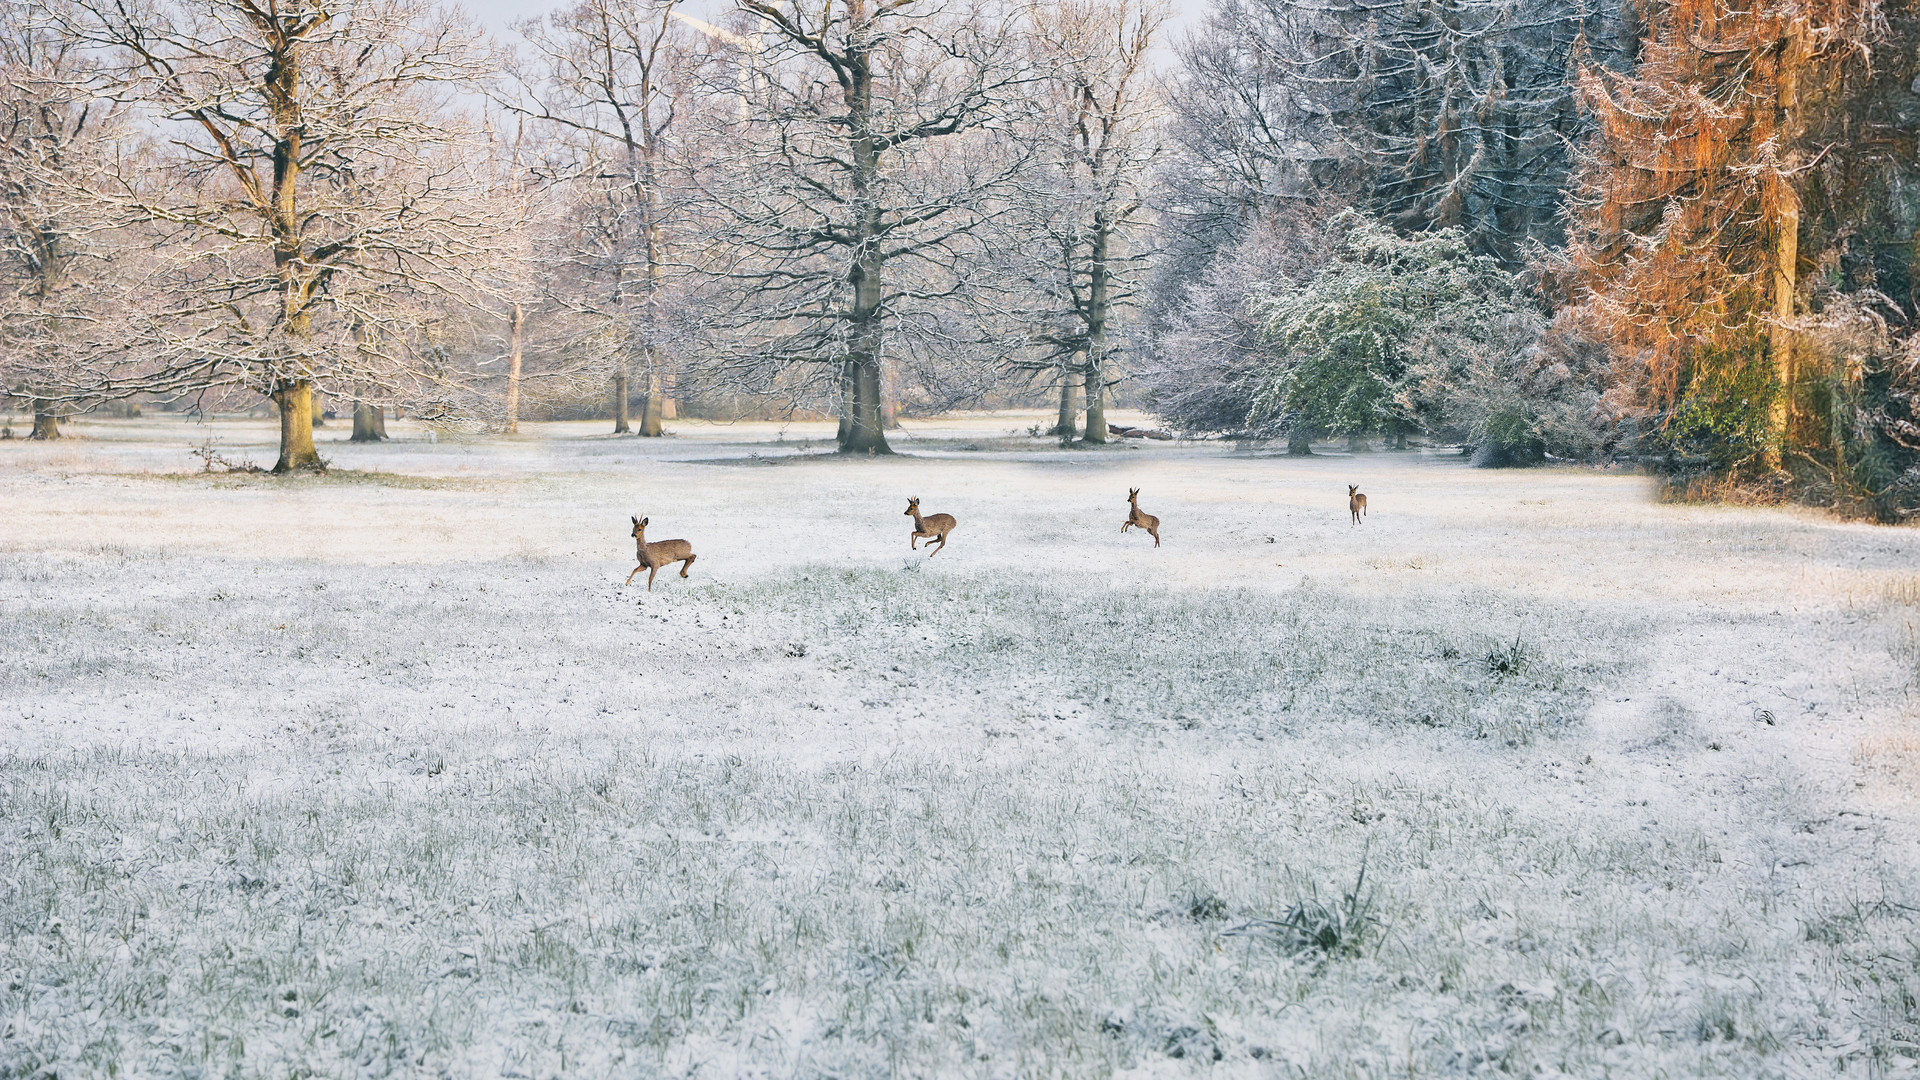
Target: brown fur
x=657, y=556
x=930, y=526
x=1138, y=517
x=1356, y=503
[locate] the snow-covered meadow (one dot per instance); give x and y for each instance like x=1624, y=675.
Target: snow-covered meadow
x=385, y=773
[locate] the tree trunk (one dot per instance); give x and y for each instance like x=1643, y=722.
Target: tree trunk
x=1299, y=442
x=369, y=423
x=862, y=429
x=889, y=395
x=650, y=413
x=295, y=399
x=516, y=321
x=1357, y=443
x=46, y=422
x=1098, y=301
x=1786, y=258
x=864, y=433
x=1067, y=426
x=620, y=426
x=319, y=409
x=646, y=190
x=1096, y=403
x=845, y=429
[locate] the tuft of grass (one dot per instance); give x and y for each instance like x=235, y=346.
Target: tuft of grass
x=1507, y=660
x=1327, y=928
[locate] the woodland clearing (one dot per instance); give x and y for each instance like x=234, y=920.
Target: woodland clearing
x=383, y=773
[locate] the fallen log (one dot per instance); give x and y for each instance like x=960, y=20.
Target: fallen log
x=1124, y=432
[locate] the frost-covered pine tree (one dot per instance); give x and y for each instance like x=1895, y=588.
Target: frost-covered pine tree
x=1424, y=115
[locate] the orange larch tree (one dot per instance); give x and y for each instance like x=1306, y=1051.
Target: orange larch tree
x=1686, y=220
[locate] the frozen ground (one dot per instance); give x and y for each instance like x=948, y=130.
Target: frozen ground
x=385, y=774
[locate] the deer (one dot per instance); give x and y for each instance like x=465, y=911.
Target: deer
x=1356, y=503
x=1140, y=518
x=930, y=526
x=658, y=555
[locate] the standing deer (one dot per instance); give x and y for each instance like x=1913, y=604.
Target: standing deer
x=1140, y=518
x=1356, y=503
x=929, y=526
x=656, y=556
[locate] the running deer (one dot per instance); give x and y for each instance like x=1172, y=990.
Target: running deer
x=656, y=556
x=1140, y=518
x=1356, y=503
x=931, y=526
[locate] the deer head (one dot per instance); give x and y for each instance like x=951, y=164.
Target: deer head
x=913, y=504
x=639, y=524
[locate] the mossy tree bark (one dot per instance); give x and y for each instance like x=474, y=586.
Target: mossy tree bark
x=1096, y=431
x=295, y=399
x=862, y=424
x=46, y=422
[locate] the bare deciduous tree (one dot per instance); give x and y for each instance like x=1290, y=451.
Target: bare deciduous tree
x=610, y=80
x=315, y=185
x=55, y=248
x=1077, y=228
x=848, y=195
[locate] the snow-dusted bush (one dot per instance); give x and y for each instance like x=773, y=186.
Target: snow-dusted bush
x=1352, y=329
x=1207, y=359
x=1399, y=333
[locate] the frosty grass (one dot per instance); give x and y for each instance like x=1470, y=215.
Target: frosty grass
x=386, y=775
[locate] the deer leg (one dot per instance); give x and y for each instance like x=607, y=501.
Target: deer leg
x=636, y=570
x=936, y=550
x=686, y=563
x=1155, y=533
x=650, y=574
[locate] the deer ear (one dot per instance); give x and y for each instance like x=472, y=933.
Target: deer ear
x=636, y=521
x=644, y=520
